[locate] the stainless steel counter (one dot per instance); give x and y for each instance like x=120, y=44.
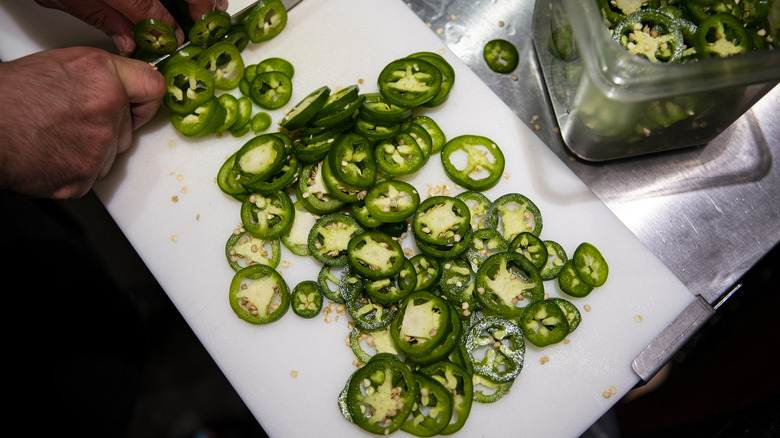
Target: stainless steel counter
x=709, y=212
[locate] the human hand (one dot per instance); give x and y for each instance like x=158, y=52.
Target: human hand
x=67, y=113
x=117, y=17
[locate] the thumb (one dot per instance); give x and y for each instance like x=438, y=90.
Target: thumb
x=144, y=86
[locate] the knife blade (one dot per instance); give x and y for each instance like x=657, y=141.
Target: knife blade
x=237, y=18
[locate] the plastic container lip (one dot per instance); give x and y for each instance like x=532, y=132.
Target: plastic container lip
x=624, y=76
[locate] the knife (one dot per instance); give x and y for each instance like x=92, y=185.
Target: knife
x=237, y=18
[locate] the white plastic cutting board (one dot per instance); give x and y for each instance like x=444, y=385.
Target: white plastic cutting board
x=289, y=373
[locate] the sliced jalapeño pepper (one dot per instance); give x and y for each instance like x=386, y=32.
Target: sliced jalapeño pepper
x=484, y=164
x=442, y=220
x=259, y=295
x=478, y=206
x=366, y=343
x=652, y=34
x=375, y=255
x=297, y=237
x=556, y=257
x=573, y=315
x=364, y=311
x=505, y=343
x=421, y=323
x=187, y=86
x=428, y=270
x=513, y=214
x=400, y=155
x=259, y=158
x=380, y=395
x=590, y=265
x=485, y=242
x=507, y=282
x=210, y=28
x=393, y=289
x=392, y=201
x=266, y=21
x=432, y=409
x=531, y=246
x=438, y=139
x=351, y=159
x=459, y=383
x=271, y=90
x=312, y=193
x=276, y=64
x=457, y=284
x=304, y=110
x=447, y=76
x=205, y=119
x=223, y=60
x=409, y=82
x=306, y=299
x=155, y=37
x=571, y=283
x=330, y=236
x=721, y=35
x=501, y=56
x=377, y=109
x=268, y=216
x=244, y=249
x=544, y=323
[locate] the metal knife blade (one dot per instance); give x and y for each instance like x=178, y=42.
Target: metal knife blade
x=237, y=18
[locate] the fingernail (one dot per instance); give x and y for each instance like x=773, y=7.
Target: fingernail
x=124, y=44
x=179, y=35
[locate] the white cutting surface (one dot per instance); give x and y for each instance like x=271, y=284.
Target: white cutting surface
x=339, y=43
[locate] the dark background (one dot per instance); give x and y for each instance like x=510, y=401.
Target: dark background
x=722, y=384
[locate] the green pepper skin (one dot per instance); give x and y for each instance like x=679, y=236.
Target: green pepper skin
x=352, y=161
x=223, y=60
x=664, y=43
x=531, y=246
x=409, y=82
x=570, y=282
x=210, y=28
x=505, y=339
x=544, y=323
x=155, y=37
x=447, y=76
x=501, y=56
x=187, y=86
x=459, y=383
x=392, y=201
x=483, y=155
x=514, y=213
x=306, y=299
x=268, y=216
x=433, y=407
x=712, y=32
x=266, y=21
x=388, y=379
x=330, y=236
x=241, y=298
x=375, y=255
x=419, y=344
x=271, y=90
x=590, y=265
x=507, y=283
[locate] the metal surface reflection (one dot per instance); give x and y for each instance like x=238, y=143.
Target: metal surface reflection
x=709, y=212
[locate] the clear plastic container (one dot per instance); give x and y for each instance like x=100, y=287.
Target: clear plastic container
x=612, y=104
